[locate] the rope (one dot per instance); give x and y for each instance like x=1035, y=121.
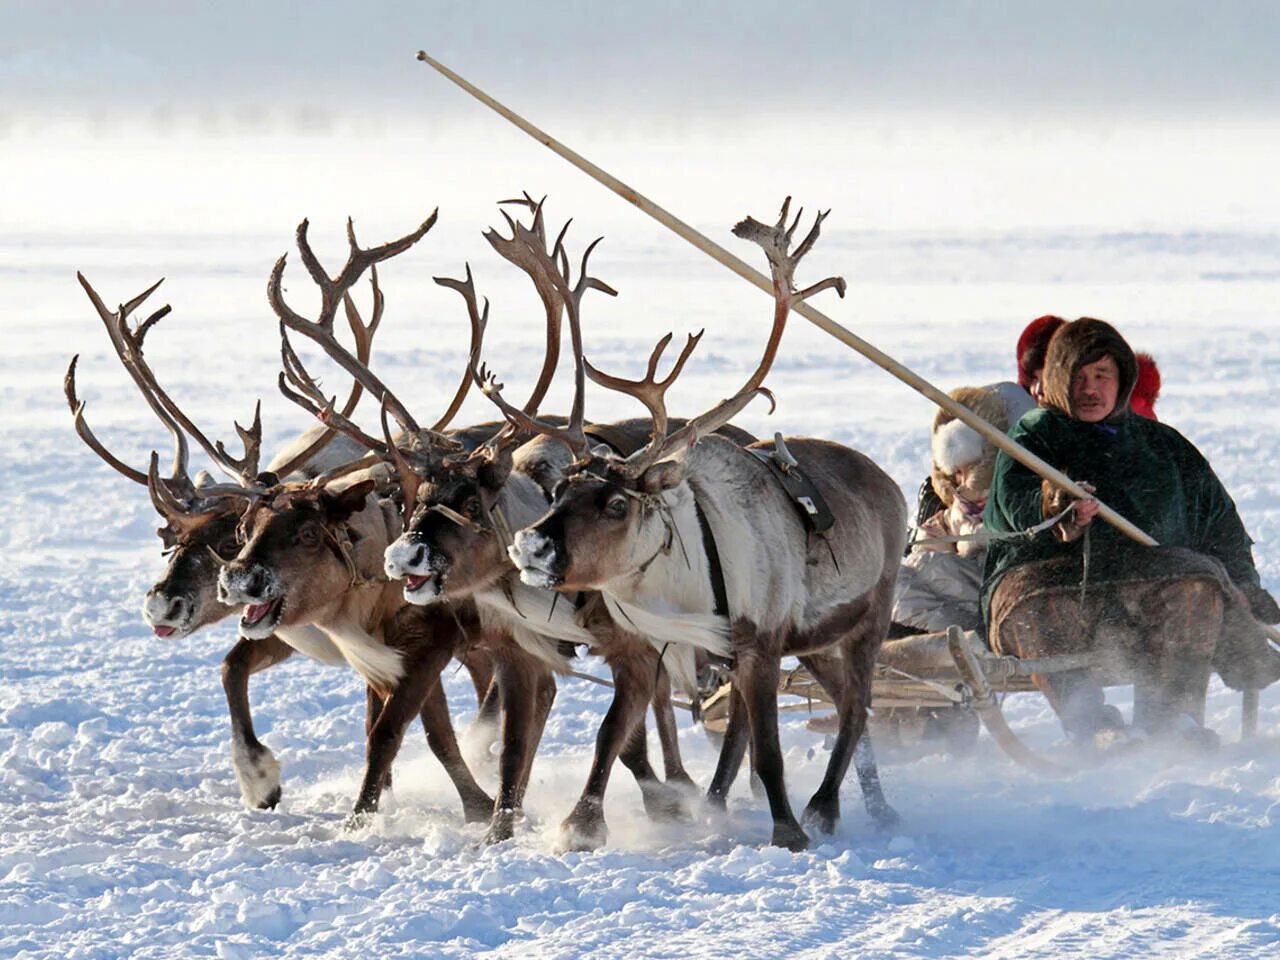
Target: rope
x=987, y=536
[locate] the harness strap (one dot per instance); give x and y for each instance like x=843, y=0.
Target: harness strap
x=989, y=536
x=340, y=540
x=456, y=517
x=808, y=500
x=713, y=562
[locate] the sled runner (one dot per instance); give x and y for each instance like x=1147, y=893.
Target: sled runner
x=940, y=688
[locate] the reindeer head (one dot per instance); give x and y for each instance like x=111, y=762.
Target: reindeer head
x=302, y=551
x=612, y=517
x=200, y=517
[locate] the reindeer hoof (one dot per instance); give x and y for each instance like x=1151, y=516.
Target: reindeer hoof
x=582, y=834
x=258, y=773
x=270, y=800
x=502, y=827
x=357, y=820
x=682, y=781
x=885, y=818
x=791, y=836
x=821, y=817
x=664, y=804
x=477, y=809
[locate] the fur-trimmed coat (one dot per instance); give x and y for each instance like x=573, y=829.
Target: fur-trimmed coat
x=938, y=584
x=1144, y=469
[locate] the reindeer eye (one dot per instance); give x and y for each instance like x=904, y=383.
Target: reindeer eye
x=308, y=536
x=471, y=508
x=616, y=507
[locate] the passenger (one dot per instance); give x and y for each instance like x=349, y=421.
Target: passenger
x=948, y=583
x=1156, y=614
x=938, y=584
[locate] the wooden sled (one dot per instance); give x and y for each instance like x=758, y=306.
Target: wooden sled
x=951, y=675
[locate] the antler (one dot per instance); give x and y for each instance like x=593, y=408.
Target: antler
x=776, y=242
x=526, y=248
x=479, y=320
x=363, y=334
x=652, y=393
x=334, y=290
x=128, y=346
x=116, y=324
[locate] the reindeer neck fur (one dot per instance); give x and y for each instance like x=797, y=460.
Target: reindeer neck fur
x=766, y=550
x=535, y=619
x=665, y=595
x=357, y=622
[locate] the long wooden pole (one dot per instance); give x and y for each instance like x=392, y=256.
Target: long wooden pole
x=813, y=315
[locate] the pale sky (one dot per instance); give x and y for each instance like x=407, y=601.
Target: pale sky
x=254, y=58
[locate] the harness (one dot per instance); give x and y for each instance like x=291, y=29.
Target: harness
x=339, y=539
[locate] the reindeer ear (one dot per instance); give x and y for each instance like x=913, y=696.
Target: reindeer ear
x=662, y=476
x=338, y=507
x=493, y=473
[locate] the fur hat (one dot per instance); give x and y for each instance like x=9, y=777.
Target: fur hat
x=1147, y=390
x=955, y=445
x=1078, y=344
x=1032, y=345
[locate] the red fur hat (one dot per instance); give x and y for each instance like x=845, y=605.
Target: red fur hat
x=1032, y=346
x=1147, y=390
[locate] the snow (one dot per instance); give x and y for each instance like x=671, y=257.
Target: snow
x=121, y=827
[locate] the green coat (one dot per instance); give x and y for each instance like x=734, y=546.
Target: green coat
x=1144, y=470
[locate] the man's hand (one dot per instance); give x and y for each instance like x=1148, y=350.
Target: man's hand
x=1086, y=508
x=1072, y=525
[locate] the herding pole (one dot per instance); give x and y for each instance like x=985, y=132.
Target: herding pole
x=813, y=315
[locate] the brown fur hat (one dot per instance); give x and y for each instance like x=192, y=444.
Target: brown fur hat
x=1077, y=344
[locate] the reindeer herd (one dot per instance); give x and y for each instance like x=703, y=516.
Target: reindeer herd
x=663, y=546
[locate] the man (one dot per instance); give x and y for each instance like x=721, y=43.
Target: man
x=1153, y=614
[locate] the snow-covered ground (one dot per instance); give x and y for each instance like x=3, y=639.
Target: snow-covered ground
x=121, y=827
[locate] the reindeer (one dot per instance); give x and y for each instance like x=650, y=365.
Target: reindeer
x=455, y=543
x=200, y=520
x=313, y=555
x=613, y=528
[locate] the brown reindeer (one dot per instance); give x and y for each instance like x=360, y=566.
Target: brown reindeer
x=524, y=659
x=613, y=526
x=314, y=556
x=200, y=520
x=455, y=546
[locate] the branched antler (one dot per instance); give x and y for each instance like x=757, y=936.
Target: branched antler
x=550, y=271
x=776, y=242
x=334, y=290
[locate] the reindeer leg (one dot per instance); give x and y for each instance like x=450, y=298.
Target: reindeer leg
x=851, y=693
x=847, y=679
x=732, y=749
x=422, y=665
x=758, y=672
x=373, y=704
x=584, y=828
x=664, y=719
x=257, y=769
x=517, y=681
x=545, y=697
x=476, y=804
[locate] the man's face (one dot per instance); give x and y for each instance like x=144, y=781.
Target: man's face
x=1094, y=390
